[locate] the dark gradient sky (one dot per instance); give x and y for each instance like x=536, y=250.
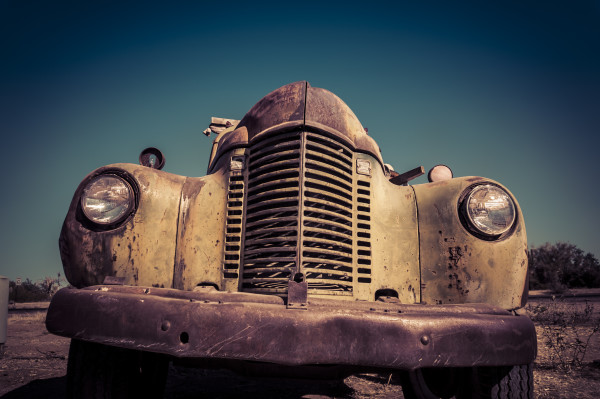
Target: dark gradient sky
x=508, y=90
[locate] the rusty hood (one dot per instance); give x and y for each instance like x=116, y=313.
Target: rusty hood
x=298, y=105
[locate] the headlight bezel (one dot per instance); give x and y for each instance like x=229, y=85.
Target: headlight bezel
x=132, y=187
x=471, y=227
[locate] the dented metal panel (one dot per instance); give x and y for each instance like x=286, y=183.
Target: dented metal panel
x=200, y=241
x=456, y=266
x=249, y=327
x=142, y=249
x=395, y=248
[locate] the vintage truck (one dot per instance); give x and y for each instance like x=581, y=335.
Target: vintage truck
x=301, y=252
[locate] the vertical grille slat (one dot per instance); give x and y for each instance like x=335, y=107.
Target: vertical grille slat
x=302, y=215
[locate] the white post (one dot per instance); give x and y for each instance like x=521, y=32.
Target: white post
x=3, y=312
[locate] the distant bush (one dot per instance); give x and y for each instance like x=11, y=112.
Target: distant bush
x=562, y=265
x=29, y=291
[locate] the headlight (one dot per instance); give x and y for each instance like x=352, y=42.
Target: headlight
x=489, y=210
x=107, y=199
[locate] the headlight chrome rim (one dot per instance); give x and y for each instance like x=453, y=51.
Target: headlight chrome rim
x=488, y=211
x=107, y=200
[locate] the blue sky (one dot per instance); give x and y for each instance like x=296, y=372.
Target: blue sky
x=508, y=90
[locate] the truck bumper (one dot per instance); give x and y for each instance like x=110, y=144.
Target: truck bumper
x=252, y=327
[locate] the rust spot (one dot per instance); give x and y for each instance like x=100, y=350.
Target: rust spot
x=458, y=273
x=455, y=253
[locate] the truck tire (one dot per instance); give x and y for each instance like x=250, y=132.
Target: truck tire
x=433, y=383
x=102, y=371
x=470, y=383
x=501, y=382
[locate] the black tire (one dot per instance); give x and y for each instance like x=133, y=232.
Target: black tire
x=431, y=383
x=501, y=382
x=101, y=371
x=470, y=383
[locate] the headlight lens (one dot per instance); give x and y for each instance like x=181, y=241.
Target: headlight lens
x=490, y=210
x=107, y=199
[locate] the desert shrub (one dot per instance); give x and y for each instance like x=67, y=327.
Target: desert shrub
x=566, y=331
x=29, y=291
x=560, y=266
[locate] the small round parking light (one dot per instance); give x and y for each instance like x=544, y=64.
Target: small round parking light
x=152, y=158
x=439, y=173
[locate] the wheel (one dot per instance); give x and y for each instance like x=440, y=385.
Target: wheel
x=433, y=383
x=101, y=371
x=501, y=382
x=470, y=383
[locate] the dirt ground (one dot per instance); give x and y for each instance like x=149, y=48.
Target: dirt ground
x=34, y=366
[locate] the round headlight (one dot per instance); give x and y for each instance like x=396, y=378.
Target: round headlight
x=490, y=210
x=107, y=199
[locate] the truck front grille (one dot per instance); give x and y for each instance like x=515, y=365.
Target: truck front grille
x=301, y=211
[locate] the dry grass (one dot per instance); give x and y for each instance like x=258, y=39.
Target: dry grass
x=32, y=317
x=568, y=345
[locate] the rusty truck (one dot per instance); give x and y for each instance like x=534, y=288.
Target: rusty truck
x=299, y=250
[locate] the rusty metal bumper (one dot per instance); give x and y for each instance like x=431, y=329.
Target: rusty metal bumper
x=243, y=326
